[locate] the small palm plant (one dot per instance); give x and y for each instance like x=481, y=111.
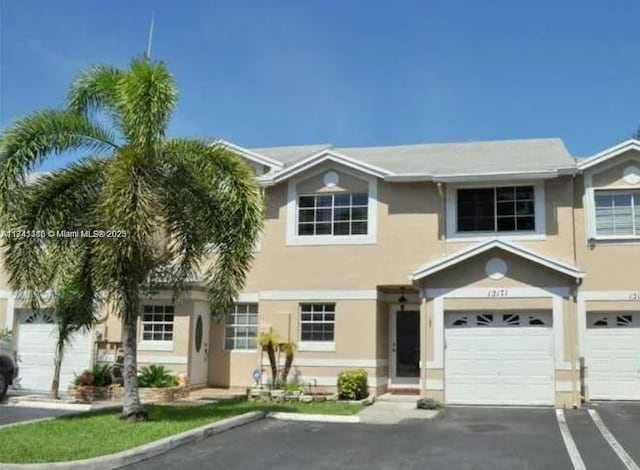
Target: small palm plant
x=268, y=341
x=156, y=376
x=289, y=349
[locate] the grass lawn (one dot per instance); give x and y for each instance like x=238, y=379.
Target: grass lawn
x=91, y=435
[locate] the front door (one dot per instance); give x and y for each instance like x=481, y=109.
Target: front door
x=405, y=348
x=199, y=348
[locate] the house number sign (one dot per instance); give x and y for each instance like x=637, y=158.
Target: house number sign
x=500, y=293
x=634, y=296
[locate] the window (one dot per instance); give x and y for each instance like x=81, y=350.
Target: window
x=333, y=214
x=317, y=322
x=241, y=328
x=497, y=209
x=157, y=323
x=617, y=213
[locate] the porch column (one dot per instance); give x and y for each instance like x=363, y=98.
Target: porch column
x=423, y=345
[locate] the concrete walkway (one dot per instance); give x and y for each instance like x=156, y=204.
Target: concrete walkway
x=392, y=409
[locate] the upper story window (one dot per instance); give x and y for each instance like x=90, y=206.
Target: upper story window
x=497, y=209
x=617, y=213
x=514, y=211
x=333, y=214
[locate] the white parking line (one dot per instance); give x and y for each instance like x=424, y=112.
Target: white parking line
x=613, y=442
x=569, y=443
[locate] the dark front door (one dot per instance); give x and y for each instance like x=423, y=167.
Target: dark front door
x=407, y=343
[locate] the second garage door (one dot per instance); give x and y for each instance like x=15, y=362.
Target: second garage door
x=36, y=348
x=613, y=355
x=499, y=358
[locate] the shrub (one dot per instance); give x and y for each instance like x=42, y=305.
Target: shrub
x=102, y=375
x=427, y=404
x=156, y=376
x=352, y=384
x=83, y=380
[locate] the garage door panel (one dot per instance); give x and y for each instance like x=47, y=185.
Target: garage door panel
x=495, y=361
x=612, y=355
x=36, y=349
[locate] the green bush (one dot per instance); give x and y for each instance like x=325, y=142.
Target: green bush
x=352, y=384
x=156, y=376
x=102, y=375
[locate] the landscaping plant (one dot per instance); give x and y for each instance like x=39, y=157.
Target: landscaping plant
x=147, y=209
x=352, y=384
x=156, y=376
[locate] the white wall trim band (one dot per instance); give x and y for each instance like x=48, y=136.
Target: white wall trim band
x=331, y=381
x=311, y=362
x=147, y=359
x=368, y=294
x=497, y=292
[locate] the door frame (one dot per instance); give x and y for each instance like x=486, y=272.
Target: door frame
x=395, y=382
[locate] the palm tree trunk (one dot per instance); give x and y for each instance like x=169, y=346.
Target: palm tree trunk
x=131, y=407
x=57, y=365
x=288, y=361
x=271, y=353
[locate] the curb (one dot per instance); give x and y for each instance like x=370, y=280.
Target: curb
x=146, y=451
x=45, y=405
x=314, y=418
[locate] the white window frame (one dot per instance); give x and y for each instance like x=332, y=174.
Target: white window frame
x=321, y=346
x=240, y=325
x=292, y=237
x=451, y=213
x=156, y=345
x=589, y=205
x=613, y=192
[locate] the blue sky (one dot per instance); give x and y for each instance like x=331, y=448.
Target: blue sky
x=352, y=73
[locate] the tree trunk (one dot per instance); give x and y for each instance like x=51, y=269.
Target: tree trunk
x=57, y=365
x=131, y=407
x=271, y=353
x=288, y=362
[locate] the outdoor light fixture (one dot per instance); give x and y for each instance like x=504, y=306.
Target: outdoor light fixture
x=402, y=300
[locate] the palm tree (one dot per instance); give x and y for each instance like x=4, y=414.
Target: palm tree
x=187, y=208
x=73, y=311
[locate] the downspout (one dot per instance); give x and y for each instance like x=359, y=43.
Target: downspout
x=576, y=395
x=442, y=220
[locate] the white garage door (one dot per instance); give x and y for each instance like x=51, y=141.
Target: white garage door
x=499, y=359
x=612, y=355
x=36, y=348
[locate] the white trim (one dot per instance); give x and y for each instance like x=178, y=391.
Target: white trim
x=611, y=152
x=155, y=346
x=143, y=358
x=248, y=298
x=292, y=237
x=434, y=384
x=332, y=381
x=320, y=362
x=624, y=295
x=452, y=235
x=319, y=346
x=325, y=155
x=369, y=294
x=250, y=155
x=438, y=334
x=506, y=292
x=558, y=334
x=489, y=244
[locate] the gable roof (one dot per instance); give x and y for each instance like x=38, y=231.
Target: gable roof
x=437, y=162
x=455, y=258
x=607, y=154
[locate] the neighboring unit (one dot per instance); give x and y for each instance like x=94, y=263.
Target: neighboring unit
x=498, y=272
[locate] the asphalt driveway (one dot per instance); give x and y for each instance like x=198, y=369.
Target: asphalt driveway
x=14, y=414
x=459, y=438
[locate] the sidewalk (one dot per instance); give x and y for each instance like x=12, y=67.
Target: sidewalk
x=393, y=409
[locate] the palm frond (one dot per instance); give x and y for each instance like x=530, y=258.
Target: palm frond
x=29, y=141
x=95, y=90
x=147, y=97
x=223, y=206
